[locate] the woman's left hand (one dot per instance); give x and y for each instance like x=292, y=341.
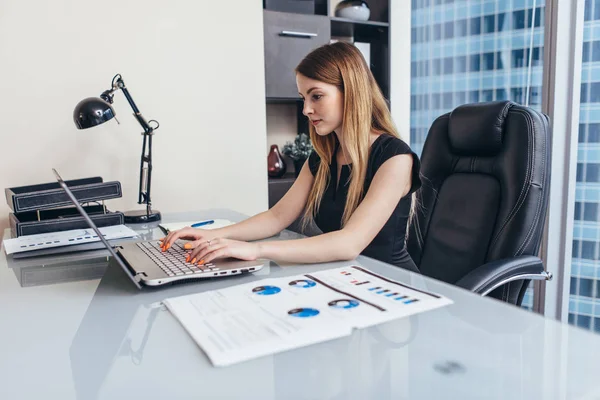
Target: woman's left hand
x=207, y=251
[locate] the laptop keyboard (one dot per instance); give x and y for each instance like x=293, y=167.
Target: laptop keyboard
x=172, y=262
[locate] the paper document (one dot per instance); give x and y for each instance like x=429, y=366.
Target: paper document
x=272, y=315
x=65, y=238
x=173, y=226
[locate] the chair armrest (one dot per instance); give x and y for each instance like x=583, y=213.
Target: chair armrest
x=488, y=277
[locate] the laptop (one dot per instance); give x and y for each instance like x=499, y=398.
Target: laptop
x=146, y=264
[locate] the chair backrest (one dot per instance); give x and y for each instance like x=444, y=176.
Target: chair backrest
x=486, y=172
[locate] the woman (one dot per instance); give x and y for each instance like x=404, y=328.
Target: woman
x=356, y=185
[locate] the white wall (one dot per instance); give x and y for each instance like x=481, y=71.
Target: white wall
x=195, y=66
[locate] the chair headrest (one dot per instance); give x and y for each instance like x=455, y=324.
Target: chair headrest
x=476, y=129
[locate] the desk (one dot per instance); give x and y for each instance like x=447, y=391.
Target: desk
x=104, y=339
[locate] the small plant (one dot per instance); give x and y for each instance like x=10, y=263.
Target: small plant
x=300, y=149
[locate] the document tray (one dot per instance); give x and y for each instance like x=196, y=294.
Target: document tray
x=51, y=195
x=62, y=219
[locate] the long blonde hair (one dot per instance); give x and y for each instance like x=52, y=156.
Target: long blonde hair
x=365, y=110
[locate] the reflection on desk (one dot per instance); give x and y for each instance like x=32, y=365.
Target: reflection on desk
x=125, y=335
x=62, y=272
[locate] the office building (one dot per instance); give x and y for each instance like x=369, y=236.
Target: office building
x=475, y=51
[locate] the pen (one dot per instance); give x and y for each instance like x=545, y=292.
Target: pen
x=199, y=224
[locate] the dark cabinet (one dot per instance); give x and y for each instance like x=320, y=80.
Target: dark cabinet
x=288, y=38
x=278, y=187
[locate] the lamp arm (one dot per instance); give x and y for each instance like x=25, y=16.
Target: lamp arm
x=118, y=83
x=146, y=158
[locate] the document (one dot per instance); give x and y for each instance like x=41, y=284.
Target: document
x=265, y=317
x=65, y=238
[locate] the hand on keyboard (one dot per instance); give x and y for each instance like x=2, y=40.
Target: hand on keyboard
x=196, y=236
x=208, y=250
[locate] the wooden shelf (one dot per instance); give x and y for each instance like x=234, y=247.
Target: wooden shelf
x=283, y=100
x=286, y=178
x=370, y=31
x=367, y=23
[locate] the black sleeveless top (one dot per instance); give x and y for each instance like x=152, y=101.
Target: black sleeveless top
x=389, y=244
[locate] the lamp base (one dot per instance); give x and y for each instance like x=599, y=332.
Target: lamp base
x=141, y=216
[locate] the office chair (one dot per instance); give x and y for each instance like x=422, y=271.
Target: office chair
x=481, y=209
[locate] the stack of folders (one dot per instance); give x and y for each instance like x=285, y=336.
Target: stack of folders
x=46, y=208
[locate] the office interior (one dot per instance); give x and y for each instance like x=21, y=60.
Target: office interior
x=201, y=69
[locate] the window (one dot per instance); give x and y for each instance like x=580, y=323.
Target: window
x=487, y=95
x=448, y=65
x=474, y=62
x=480, y=52
x=588, y=172
x=586, y=225
x=518, y=19
x=589, y=133
x=475, y=26
x=589, y=250
x=586, y=211
x=449, y=30
x=518, y=58
x=447, y=100
x=460, y=64
x=590, y=212
x=592, y=10
x=584, y=321
x=437, y=32
x=489, y=23
x=460, y=29
x=488, y=61
x=474, y=96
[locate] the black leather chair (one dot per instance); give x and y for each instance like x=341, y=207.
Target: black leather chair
x=482, y=206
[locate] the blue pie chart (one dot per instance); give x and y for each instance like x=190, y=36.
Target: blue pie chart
x=303, y=283
x=266, y=290
x=344, y=303
x=303, y=312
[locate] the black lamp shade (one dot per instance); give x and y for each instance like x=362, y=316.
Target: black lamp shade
x=91, y=112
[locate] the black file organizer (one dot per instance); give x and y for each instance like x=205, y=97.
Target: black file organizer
x=46, y=207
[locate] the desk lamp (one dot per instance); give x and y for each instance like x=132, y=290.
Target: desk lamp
x=95, y=111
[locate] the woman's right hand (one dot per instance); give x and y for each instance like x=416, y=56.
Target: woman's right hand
x=197, y=236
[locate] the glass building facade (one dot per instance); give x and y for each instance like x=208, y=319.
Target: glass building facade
x=584, y=301
x=484, y=50
x=474, y=51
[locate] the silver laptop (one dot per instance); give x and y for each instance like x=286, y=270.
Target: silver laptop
x=145, y=263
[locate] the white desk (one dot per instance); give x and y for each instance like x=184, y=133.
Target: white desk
x=104, y=339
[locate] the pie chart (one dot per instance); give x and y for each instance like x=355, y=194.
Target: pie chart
x=344, y=303
x=266, y=290
x=302, y=283
x=303, y=312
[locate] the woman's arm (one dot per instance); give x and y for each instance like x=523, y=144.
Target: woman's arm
x=391, y=182
x=260, y=226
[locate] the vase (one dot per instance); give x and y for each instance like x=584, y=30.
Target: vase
x=298, y=164
x=275, y=163
x=357, y=10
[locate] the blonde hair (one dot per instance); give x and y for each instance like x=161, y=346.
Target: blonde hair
x=365, y=110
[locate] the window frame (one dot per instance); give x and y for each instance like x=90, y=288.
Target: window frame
x=563, y=46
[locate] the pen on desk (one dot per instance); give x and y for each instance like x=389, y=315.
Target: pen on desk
x=199, y=224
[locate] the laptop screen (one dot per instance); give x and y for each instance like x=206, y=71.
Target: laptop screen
x=89, y=221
